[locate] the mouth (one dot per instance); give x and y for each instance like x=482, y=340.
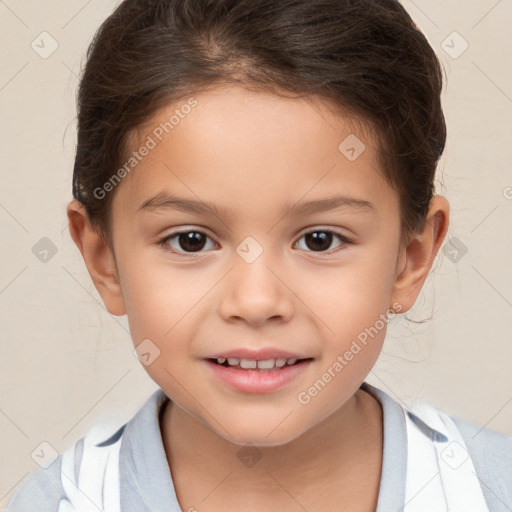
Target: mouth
x=267, y=365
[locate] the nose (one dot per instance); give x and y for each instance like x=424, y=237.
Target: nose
x=255, y=293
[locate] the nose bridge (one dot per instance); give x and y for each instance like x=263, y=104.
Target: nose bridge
x=253, y=292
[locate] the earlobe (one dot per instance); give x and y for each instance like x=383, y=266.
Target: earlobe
x=98, y=258
x=417, y=257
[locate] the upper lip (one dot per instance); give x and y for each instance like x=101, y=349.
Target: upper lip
x=258, y=355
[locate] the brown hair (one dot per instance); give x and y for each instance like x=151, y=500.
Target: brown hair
x=366, y=57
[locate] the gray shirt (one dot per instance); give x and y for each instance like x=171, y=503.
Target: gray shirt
x=146, y=482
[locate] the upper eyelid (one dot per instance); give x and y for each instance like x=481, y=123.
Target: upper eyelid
x=205, y=232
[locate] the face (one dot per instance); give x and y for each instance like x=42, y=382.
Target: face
x=272, y=255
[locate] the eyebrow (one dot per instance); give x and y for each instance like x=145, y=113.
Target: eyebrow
x=164, y=201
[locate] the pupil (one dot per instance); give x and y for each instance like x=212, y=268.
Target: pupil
x=192, y=241
x=320, y=240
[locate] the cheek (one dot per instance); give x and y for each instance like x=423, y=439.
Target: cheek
x=160, y=308
x=159, y=298
x=349, y=296
x=350, y=304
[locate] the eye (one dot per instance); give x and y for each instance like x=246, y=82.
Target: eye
x=320, y=240
x=186, y=242
x=193, y=241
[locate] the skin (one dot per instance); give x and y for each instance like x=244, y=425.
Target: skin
x=252, y=153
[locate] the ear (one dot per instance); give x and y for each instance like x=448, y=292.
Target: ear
x=416, y=258
x=98, y=258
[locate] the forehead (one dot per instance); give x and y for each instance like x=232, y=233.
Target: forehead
x=240, y=147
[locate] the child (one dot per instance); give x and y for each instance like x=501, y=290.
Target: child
x=257, y=130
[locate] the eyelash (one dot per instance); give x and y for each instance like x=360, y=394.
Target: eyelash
x=163, y=243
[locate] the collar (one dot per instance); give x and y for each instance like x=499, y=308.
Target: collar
x=144, y=474
x=427, y=419
x=146, y=482
x=424, y=415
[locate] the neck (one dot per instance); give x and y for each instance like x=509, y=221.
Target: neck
x=333, y=450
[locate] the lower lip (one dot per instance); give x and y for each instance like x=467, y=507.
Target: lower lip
x=255, y=381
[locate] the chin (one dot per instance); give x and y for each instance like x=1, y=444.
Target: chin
x=258, y=436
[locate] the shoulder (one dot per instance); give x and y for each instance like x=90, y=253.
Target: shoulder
x=491, y=453
x=41, y=491
x=45, y=488
x=480, y=439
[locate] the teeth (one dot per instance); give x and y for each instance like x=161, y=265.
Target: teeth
x=269, y=363
x=248, y=363
x=251, y=363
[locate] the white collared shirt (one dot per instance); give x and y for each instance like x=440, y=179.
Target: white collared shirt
x=422, y=461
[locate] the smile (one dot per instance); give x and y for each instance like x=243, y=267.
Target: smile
x=250, y=364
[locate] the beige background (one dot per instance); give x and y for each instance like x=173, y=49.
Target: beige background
x=66, y=363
